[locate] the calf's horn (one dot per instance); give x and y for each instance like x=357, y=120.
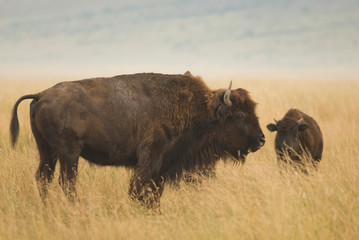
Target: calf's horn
x=275, y=120
x=300, y=121
x=227, y=95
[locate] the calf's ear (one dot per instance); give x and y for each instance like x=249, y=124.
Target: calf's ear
x=272, y=127
x=302, y=127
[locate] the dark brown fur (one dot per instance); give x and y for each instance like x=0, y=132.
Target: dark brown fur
x=158, y=125
x=297, y=139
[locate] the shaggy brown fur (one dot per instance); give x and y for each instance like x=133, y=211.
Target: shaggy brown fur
x=298, y=138
x=158, y=125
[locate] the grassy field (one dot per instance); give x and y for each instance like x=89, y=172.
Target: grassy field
x=250, y=202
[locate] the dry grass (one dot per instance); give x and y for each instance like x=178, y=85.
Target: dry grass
x=250, y=202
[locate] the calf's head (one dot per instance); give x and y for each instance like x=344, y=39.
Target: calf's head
x=287, y=141
x=238, y=124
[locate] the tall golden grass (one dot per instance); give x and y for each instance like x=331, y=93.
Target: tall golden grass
x=255, y=201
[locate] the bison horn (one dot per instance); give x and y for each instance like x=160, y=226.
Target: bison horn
x=300, y=121
x=227, y=95
x=275, y=120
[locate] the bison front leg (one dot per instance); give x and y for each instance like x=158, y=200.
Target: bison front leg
x=147, y=182
x=208, y=172
x=148, y=191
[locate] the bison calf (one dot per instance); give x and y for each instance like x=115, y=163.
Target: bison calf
x=158, y=125
x=298, y=135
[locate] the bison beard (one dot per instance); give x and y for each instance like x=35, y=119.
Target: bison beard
x=158, y=125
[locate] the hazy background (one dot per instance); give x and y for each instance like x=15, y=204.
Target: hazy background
x=215, y=39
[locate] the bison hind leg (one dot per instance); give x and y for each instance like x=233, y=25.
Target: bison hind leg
x=45, y=172
x=48, y=158
x=68, y=172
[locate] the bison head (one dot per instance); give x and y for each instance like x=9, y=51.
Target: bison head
x=286, y=141
x=239, y=128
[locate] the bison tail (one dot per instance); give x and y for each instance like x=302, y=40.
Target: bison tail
x=14, y=124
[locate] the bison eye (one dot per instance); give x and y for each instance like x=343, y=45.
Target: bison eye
x=239, y=115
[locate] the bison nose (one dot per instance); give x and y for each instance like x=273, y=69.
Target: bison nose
x=262, y=139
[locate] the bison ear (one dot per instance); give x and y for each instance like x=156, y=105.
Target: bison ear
x=223, y=112
x=272, y=127
x=302, y=127
x=242, y=98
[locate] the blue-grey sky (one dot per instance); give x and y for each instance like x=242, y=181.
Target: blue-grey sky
x=227, y=38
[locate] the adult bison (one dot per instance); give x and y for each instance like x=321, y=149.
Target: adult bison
x=158, y=125
x=298, y=135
